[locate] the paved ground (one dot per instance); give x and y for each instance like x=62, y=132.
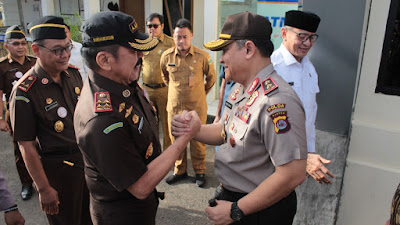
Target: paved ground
x=184, y=203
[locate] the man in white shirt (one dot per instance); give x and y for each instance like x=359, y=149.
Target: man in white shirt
x=292, y=64
x=76, y=57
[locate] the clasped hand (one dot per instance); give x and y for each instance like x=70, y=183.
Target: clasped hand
x=187, y=123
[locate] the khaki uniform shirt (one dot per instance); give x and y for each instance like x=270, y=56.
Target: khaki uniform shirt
x=151, y=61
x=184, y=76
x=264, y=126
x=117, y=132
x=11, y=71
x=41, y=108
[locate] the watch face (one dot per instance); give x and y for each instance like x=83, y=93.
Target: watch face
x=236, y=213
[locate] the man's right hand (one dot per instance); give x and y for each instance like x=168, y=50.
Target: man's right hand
x=187, y=123
x=14, y=218
x=49, y=201
x=4, y=126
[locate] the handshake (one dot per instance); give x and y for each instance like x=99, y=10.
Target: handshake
x=185, y=124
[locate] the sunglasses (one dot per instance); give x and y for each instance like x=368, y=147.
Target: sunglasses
x=59, y=51
x=153, y=25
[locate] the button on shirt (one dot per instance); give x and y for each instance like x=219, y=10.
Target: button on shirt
x=11, y=71
x=41, y=108
x=151, y=61
x=262, y=131
x=304, y=80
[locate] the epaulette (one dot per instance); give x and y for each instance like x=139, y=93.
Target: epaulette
x=168, y=37
x=102, y=102
x=27, y=83
x=269, y=85
x=73, y=66
x=169, y=51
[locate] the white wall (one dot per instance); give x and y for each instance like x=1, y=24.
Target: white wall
x=11, y=13
x=373, y=168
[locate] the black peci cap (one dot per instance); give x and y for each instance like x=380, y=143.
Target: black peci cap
x=14, y=32
x=245, y=25
x=302, y=20
x=111, y=27
x=48, y=27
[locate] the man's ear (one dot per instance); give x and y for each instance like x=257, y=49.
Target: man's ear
x=35, y=49
x=103, y=60
x=250, y=49
x=283, y=33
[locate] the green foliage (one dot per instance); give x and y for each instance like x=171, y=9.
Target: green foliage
x=74, y=22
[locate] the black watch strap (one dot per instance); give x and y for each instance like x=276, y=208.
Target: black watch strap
x=236, y=213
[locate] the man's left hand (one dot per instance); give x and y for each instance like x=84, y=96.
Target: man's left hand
x=4, y=126
x=221, y=213
x=317, y=169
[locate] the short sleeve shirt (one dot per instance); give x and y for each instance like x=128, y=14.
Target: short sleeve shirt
x=264, y=128
x=11, y=71
x=151, y=61
x=43, y=109
x=117, y=133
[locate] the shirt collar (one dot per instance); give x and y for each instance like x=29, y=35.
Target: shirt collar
x=162, y=37
x=11, y=60
x=111, y=86
x=191, y=51
x=41, y=73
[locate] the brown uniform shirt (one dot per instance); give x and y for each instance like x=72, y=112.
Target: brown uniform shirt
x=11, y=71
x=184, y=76
x=41, y=108
x=151, y=61
x=117, y=133
x=264, y=127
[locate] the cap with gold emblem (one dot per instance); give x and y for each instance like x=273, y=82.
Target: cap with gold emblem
x=47, y=27
x=109, y=28
x=245, y=25
x=14, y=32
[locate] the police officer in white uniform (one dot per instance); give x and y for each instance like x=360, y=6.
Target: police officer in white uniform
x=291, y=62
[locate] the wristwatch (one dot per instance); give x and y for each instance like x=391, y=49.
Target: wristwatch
x=236, y=213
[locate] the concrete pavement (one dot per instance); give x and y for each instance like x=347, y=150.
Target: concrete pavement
x=184, y=203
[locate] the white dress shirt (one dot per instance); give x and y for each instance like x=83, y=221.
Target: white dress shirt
x=77, y=60
x=304, y=80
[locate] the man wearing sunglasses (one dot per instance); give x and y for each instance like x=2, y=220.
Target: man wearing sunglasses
x=42, y=105
x=12, y=67
x=152, y=80
x=291, y=62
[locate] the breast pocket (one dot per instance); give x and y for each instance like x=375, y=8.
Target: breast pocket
x=237, y=132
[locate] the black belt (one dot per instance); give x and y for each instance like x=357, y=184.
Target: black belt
x=155, y=86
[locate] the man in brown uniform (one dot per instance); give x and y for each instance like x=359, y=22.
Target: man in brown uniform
x=42, y=105
x=116, y=127
x=12, y=67
x=183, y=69
x=152, y=80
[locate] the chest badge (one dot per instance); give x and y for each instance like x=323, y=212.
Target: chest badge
x=62, y=112
x=59, y=126
x=121, y=107
x=280, y=119
x=232, y=141
x=243, y=114
x=128, y=111
x=49, y=101
x=252, y=98
x=126, y=93
x=45, y=81
x=149, y=151
x=253, y=86
x=269, y=85
x=135, y=119
x=18, y=74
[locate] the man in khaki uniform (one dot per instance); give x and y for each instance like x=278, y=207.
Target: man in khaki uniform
x=183, y=69
x=152, y=80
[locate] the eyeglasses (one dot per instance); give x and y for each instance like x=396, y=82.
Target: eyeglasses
x=304, y=37
x=153, y=25
x=17, y=43
x=59, y=51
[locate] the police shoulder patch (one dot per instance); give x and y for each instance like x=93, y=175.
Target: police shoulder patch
x=269, y=85
x=27, y=83
x=281, y=122
x=102, y=102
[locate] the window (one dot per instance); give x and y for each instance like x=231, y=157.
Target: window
x=389, y=70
